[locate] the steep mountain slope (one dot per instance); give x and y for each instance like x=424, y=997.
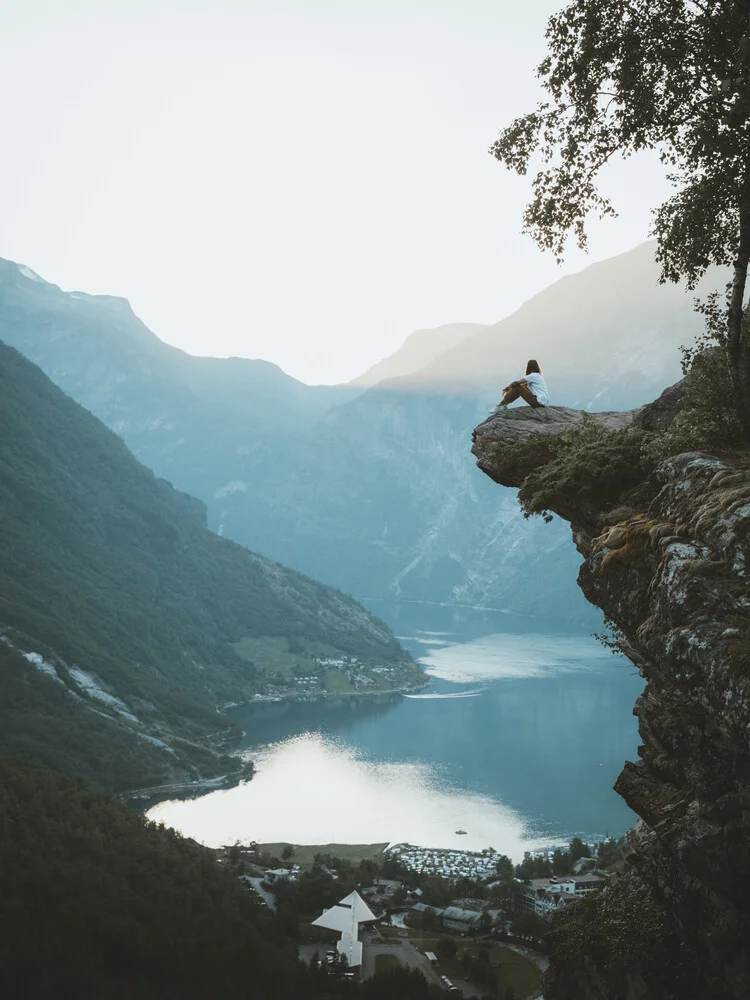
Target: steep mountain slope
x=380, y=503
x=418, y=350
x=375, y=494
x=118, y=606
x=183, y=416
x=386, y=472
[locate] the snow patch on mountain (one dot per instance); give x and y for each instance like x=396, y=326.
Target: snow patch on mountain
x=88, y=683
x=156, y=742
x=38, y=661
x=28, y=273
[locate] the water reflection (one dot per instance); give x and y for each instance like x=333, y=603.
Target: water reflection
x=518, y=741
x=494, y=657
x=314, y=789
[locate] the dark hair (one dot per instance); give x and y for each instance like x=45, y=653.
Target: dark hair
x=533, y=366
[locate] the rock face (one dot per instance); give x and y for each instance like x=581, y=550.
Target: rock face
x=521, y=422
x=667, y=564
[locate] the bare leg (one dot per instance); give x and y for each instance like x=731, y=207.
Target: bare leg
x=514, y=391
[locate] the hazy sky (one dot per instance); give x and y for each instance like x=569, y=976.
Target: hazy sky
x=305, y=181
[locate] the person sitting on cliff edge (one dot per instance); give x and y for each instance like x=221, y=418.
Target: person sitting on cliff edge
x=531, y=388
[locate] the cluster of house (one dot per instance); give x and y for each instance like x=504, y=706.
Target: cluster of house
x=354, y=670
x=464, y=916
x=344, y=921
x=272, y=875
x=545, y=895
x=443, y=861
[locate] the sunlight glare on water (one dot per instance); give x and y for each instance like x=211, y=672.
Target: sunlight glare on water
x=507, y=655
x=322, y=786
x=517, y=740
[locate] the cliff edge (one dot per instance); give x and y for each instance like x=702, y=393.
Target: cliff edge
x=666, y=546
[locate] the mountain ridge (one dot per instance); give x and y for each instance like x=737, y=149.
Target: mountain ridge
x=370, y=490
x=419, y=349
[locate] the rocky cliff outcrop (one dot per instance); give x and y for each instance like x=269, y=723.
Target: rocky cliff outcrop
x=666, y=560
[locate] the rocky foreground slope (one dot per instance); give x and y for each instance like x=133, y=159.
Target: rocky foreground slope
x=666, y=560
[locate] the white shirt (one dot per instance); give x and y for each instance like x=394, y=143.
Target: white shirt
x=538, y=386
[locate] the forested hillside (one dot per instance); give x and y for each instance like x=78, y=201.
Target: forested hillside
x=97, y=903
x=120, y=611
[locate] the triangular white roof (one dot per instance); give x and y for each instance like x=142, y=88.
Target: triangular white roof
x=361, y=911
x=346, y=915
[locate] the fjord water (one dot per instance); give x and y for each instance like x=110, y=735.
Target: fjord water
x=517, y=741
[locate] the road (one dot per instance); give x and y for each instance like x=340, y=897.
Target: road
x=407, y=955
x=410, y=956
x=405, y=952
x=267, y=896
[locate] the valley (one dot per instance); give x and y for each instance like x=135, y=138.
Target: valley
x=367, y=487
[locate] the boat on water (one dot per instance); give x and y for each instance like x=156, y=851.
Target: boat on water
x=461, y=832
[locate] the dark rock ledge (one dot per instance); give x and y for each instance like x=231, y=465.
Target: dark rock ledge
x=668, y=566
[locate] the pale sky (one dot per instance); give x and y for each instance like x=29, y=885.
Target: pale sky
x=305, y=181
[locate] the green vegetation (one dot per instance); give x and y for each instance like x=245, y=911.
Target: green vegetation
x=586, y=466
x=492, y=967
x=304, y=899
x=323, y=853
x=285, y=661
x=98, y=903
x=621, y=937
x=590, y=468
x=281, y=658
x=384, y=963
x=400, y=984
x=107, y=569
x=706, y=420
x=336, y=680
x=40, y=718
x=605, y=854
x=625, y=75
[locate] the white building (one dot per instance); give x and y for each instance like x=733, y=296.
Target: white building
x=345, y=918
x=545, y=895
x=272, y=875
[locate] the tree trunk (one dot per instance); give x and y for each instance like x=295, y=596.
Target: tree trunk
x=738, y=349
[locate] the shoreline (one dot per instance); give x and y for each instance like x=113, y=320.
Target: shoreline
x=324, y=696
x=195, y=788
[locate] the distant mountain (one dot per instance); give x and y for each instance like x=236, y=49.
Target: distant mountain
x=374, y=491
x=607, y=337
x=182, y=416
x=125, y=624
x=418, y=350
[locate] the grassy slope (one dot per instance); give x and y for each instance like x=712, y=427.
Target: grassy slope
x=304, y=854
